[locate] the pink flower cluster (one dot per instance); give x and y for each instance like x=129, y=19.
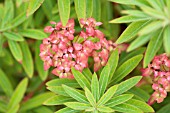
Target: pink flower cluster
x=62, y=50
x=159, y=71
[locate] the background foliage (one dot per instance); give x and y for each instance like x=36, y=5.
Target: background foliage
x=23, y=79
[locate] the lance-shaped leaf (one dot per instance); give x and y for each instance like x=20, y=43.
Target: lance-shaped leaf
x=166, y=39
x=118, y=100
x=105, y=109
x=153, y=46
x=3, y=107
x=43, y=109
x=64, y=10
x=164, y=109
x=96, y=10
x=89, y=8
x=33, y=33
x=80, y=7
x=58, y=90
x=141, y=105
x=108, y=95
x=15, y=50
x=5, y=84
x=131, y=31
x=18, y=94
x=27, y=61
x=95, y=87
x=13, y=36
x=39, y=63
x=75, y=94
x=67, y=110
x=14, y=109
x=127, y=108
x=80, y=78
x=58, y=82
x=104, y=78
x=87, y=73
x=58, y=100
x=77, y=105
x=90, y=97
x=127, y=84
x=127, y=2
x=33, y=6
x=126, y=68
x=36, y=101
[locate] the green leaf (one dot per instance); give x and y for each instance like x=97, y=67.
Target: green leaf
x=95, y=87
x=15, y=50
x=139, y=41
x=87, y=73
x=43, y=109
x=27, y=59
x=90, y=97
x=155, y=5
x=137, y=13
x=66, y=110
x=164, y=109
x=36, y=101
x=39, y=63
x=141, y=105
x=80, y=78
x=127, y=84
x=125, y=57
x=153, y=46
x=127, y=2
x=105, y=109
x=113, y=62
x=75, y=94
x=3, y=107
x=152, y=27
x=126, y=68
x=131, y=31
x=77, y=105
x=166, y=39
x=33, y=6
x=58, y=100
x=64, y=10
x=18, y=94
x=33, y=33
x=13, y=36
x=18, y=2
x=58, y=82
x=127, y=108
x=58, y=90
x=14, y=109
x=89, y=8
x=168, y=4
x=80, y=7
x=5, y=84
x=118, y=100
x=104, y=78
x=96, y=10
x=108, y=95
x=128, y=19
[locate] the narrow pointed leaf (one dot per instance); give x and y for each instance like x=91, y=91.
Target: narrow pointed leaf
x=33, y=33
x=3, y=107
x=36, y=101
x=141, y=105
x=108, y=95
x=126, y=68
x=89, y=8
x=90, y=97
x=77, y=105
x=58, y=90
x=137, y=13
x=58, y=100
x=87, y=73
x=80, y=78
x=164, y=109
x=166, y=39
x=15, y=50
x=27, y=61
x=118, y=100
x=127, y=84
x=80, y=7
x=95, y=87
x=18, y=94
x=131, y=31
x=75, y=94
x=96, y=10
x=43, y=109
x=5, y=84
x=105, y=109
x=13, y=36
x=153, y=46
x=33, y=6
x=14, y=109
x=67, y=110
x=64, y=10
x=104, y=78
x=58, y=82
